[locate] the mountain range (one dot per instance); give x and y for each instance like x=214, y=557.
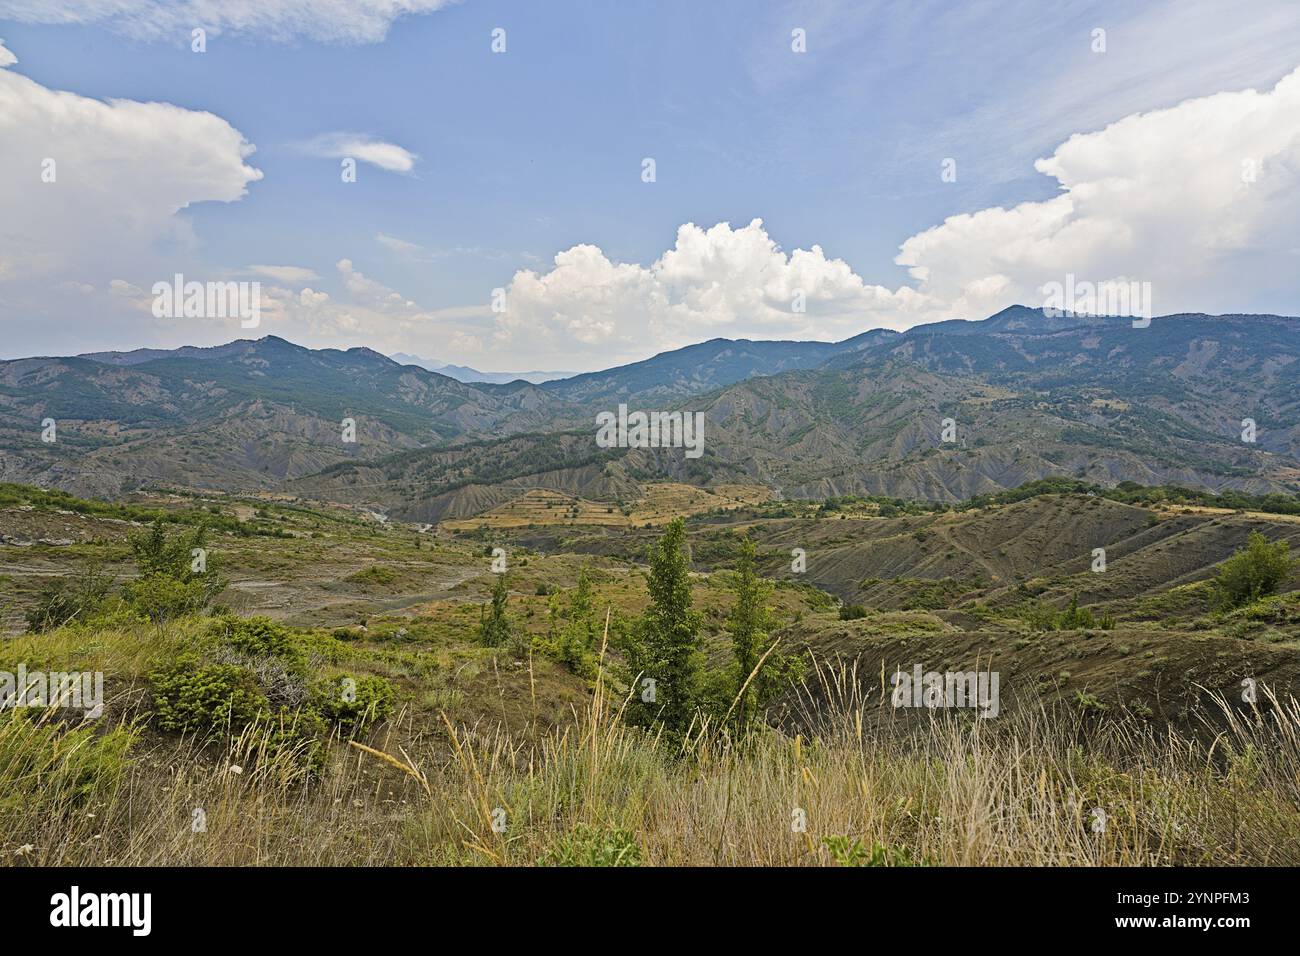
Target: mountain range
x=463, y=373
x=939, y=412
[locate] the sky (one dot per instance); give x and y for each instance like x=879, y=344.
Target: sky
x=559, y=184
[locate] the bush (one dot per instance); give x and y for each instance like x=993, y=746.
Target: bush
x=296, y=737
x=351, y=703
x=375, y=574
x=256, y=636
x=846, y=851
x=853, y=612
x=1075, y=618
x=495, y=625
x=161, y=598
x=173, y=580
x=193, y=696
x=63, y=600
x=1253, y=572
x=49, y=768
x=588, y=846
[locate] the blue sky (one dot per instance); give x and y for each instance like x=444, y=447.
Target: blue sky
x=523, y=155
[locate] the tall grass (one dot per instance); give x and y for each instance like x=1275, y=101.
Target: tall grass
x=1028, y=788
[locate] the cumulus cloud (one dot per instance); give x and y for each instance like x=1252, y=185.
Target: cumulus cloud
x=715, y=281
x=6, y=57
x=327, y=21
x=89, y=182
x=367, y=149
x=367, y=312
x=1200, y=200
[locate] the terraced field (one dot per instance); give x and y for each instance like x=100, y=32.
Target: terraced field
x=663, y=501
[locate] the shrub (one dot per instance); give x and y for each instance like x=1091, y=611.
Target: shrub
x=256, y=636
x=172, y=580
x=376, y=574
x=190, y=695
x=853, y=612
x=1075, y=618
x=1253, y=572
x=848, y=851
x=49, y=768
x=161, y=598
x=293, y=737
x=495, y=625
x=352, y=702
x=589, y=846
x=63, y=600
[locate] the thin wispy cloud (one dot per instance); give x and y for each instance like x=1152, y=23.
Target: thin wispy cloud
x=288, y=274
x=363, y=148
x=402, y=248
x=325, y=21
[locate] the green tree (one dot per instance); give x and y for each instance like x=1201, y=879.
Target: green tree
x=1075, y=618
x=176, y=576
x=664, y=646
x=580, y=632
x=495, y=627
x=1254, y=571
x=748, y=623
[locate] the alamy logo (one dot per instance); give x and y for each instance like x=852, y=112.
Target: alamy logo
x=77, y=690
x=208, y=300
x=930, y=689
x=651, y=430
x=103, y=909
x=1108, y=297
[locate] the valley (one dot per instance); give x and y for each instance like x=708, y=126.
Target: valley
x=1052, y=501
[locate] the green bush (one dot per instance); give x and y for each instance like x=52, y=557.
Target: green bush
x=172, y=580
x=848, y=851
x=495, y=624
x=1253, y=572
x=589, y=846
x=49, y=768
x=375, y=574
x=853, y=612
x=161, y=598
x=190, y=695
x=1075, y=618
x=256, y=637
x=295, y=736
x=67, y=599
x=352, y=702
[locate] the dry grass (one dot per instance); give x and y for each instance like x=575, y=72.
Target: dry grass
x=663, y=501
x=1019, y=790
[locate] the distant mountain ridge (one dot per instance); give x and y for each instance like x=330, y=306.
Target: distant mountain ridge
x=1030, y=396
x=704, y=366
x=463, y=373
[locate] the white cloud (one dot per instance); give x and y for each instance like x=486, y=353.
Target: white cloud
x=1157, y=197
x=404, y=249
x=713, y=282
x=286, y=274
x=368, y=313
x=1163, y=197
x=7, y=57
x=367, y=149
x=124, y=289
x=86, y=183
x=328, y=21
